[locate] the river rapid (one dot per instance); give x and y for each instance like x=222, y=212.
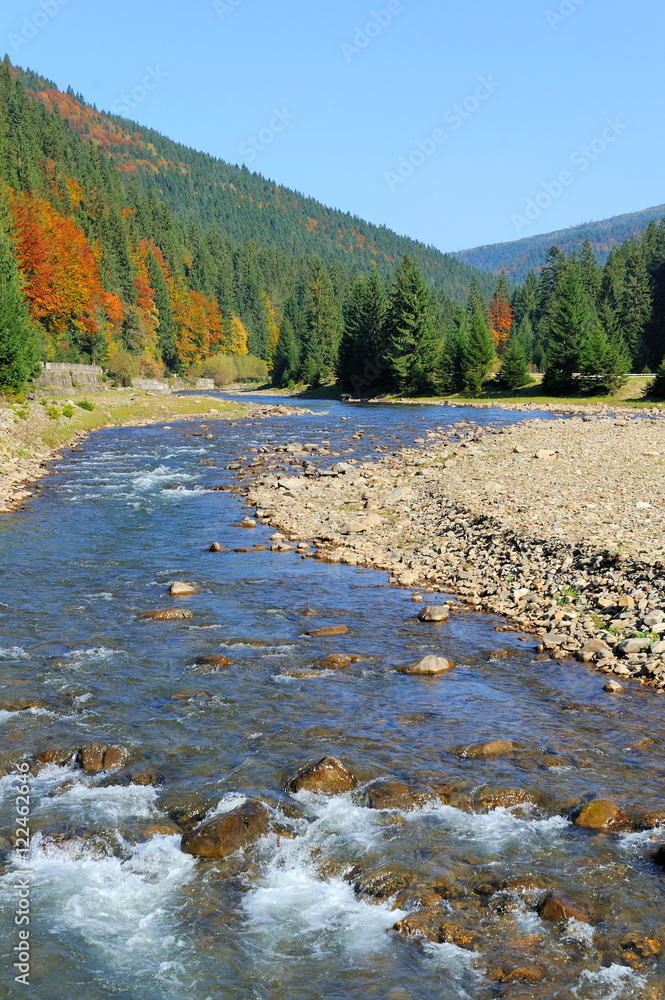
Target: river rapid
x=118, y=911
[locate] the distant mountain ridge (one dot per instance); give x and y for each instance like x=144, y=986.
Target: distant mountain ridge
x=519, y=257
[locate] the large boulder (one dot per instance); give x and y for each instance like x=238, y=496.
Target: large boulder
x=659, y=856
x=557, y=906
x=328, y=777
x=225, y=834
x=433, y=613
x=181, y=588
x=429, y=666
x=601, y=815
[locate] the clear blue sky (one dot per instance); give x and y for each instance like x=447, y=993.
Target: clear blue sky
x=353, y=105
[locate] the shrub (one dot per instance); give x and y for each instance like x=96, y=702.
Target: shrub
x=68, y=411
x=149, y=367
x=122, y=366
x=656, y=387
x=53, y=412
x=84, y=404
x=250, y=368
x=221, y=368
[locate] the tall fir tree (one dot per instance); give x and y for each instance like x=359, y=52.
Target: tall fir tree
x=19, y=355
x=166, y=329
x=324, y=327
x=412, y=344
x=479, y=353
x=570, y=326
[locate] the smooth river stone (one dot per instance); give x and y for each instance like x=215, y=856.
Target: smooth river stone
x=223, y=835
x=429, y=666
x=328, y=777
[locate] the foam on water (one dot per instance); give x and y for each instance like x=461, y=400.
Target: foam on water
x=616, y=982
x=125, y=910
x=501, y=826
x=13, y=653
x=292, y=903
x=232, y=800
x=89, y=803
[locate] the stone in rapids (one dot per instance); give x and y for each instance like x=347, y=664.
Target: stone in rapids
x=101, y=757
x=429, y=666
x=493, y=748
x=559, y=906
x=223, y=835
x=433, y=613
x=182, y=588
x=601, y=814
x=213, y=660
x=168, y=615
x=328, y=777
x=332, y=630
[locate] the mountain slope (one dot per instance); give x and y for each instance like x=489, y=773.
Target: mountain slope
x=519, y=257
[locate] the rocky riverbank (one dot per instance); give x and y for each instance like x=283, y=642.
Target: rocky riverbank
x=557, y=525
x=33, y=432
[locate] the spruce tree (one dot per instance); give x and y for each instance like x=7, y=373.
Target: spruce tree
x=590, y=275
x=637, y=303
x=166, y=329
x=287, y=356
x=412, y=344
x=324, y=327
x=514, y=370
x=569, y=328
x=19, y=356
x=479, y=353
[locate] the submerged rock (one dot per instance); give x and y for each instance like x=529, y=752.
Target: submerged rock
x=101, y=757
x=213, y=660
x=436, y=923
x=494, y=748
x=397, y=795
x=601, y=815
x=337, y=661
x=659, y=856
x=328, y=777
x=557, y=906
x=56, y=755
x=332, y=630
x=168, y=615
x=223, y=835
x=429, y=666
x=433, y=613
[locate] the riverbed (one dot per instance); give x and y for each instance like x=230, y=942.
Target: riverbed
x=119, y=911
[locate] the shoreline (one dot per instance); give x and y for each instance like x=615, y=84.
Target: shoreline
x=431, y=518
x=30, y=440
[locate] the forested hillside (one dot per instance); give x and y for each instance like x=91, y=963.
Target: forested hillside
x=519, y=257
x=138, y=252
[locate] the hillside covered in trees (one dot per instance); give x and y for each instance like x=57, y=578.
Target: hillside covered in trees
x=137, y=252
x=519, y=257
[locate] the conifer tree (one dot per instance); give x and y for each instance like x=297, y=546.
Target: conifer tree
x=287, y=356
x=514, y=370
x=19, y=357
x=479, y=353
x=569, y=328
x=166, y=328
x=637, y=303
x=412, y=344
x=324, y=327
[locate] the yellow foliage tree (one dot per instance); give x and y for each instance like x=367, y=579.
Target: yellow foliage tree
x=273, y=331
x=237, y=339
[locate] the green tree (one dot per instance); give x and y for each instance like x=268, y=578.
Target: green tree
x=479, y=353
x=569, y=328
x=19, y=356
x=514, y=370
x=324, y=327
x=637, y=303
x=412, y=343
x=604, y=362
x=286, y=362
x=166, y=329
x=656, y=387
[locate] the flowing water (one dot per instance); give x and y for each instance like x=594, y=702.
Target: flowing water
x=117, y=911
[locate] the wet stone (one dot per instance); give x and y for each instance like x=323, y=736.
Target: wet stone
x=493, y=748
x=331, y=630
x=328, y=777
x=559, y=906
x=397, y=795
x=429, y=666
x=436, y=923
x=433, y=613
x=224, y=835
x=168, y=615
x=101, y=757
x=600, y=815
x=214, y=660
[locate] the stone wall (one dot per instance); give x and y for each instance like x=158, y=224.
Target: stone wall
x=69, y=377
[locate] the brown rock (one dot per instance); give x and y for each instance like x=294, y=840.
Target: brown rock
x=383, y=882
x=337, y=661
x=600, y=815
x=436, y=924
x=396, y=795
x=101, y=757
x=328, y=777
x=147, y=777
x=212, y=661
x=168, y=615
x=223, y=835
x=180, y=588
x=429, y=666
x=494, y=748
x=558, y=905
x=332, y=630
x=504, y=798
x=659, y=856
x=215, y=547
x=516, y=974
x=56, y=755
x=613, y=687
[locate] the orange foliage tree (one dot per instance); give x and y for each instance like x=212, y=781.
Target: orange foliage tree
x=501, y=315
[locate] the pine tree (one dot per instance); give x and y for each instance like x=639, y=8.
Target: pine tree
x=604, y=362
x=656, y=387
x=590, y=275
x=19, y=356
x=287, y=356
x=569, y=327
x=637, y=303
x=412, y=344
x=514, y=370
x=324, y=327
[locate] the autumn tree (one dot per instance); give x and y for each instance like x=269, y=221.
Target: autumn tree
x=501, y=314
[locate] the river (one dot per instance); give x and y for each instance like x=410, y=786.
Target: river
x=118, y=911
